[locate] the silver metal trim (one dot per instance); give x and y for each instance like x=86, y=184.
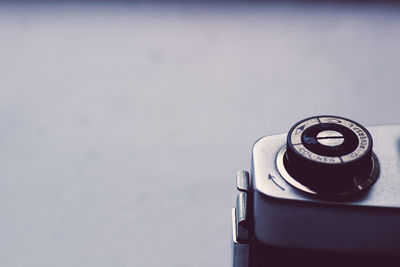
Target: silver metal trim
x=240, y=251
x=241, y=203
x=360, y=184
x=242, y=232
x=234, y=230
x=242, y=180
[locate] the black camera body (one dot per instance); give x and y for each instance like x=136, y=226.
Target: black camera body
x=324, y=194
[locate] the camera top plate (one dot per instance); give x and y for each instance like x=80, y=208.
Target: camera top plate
x=385, y=192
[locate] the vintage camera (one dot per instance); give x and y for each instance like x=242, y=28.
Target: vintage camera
x=327, y=193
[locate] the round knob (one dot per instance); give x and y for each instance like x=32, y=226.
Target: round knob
x=329, y=154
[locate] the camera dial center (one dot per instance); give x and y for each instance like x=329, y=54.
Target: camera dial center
x=330, y=138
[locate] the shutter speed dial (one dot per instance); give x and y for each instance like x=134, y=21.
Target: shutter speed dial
x=329, y=155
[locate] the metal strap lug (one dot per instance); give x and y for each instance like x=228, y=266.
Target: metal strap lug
x=242, y=180
x=241, y=217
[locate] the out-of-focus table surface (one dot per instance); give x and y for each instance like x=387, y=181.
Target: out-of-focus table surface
x=122, y=125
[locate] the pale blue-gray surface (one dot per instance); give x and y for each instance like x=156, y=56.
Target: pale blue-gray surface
x=122, y=126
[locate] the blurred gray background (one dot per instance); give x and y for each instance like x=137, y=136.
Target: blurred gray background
x=122, y=125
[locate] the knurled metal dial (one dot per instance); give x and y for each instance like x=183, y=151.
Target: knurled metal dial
x=329, y=154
